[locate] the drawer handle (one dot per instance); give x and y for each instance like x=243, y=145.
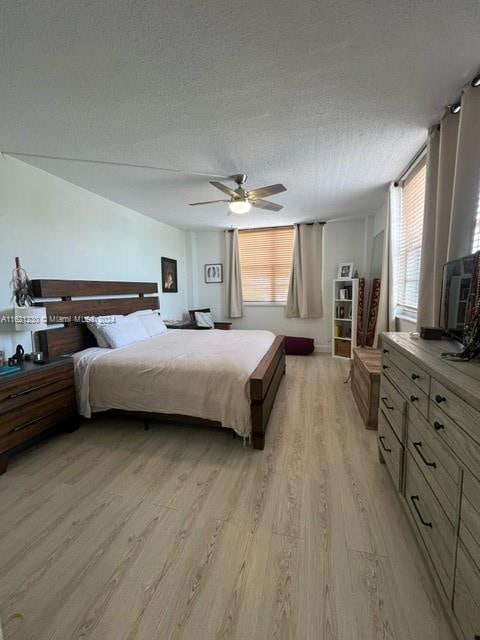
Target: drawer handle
x=382, y=438
x=414, y=500
x=28, y=424
x=418, y=447
x=384, y=366
x=438, y=425
x=384, y=400
x=386, y=351
x=415, y=376
x=440, y=399
x=29, y=390
x=413, y=398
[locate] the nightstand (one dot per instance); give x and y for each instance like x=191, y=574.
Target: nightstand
x=33, y=401
x=225, y=326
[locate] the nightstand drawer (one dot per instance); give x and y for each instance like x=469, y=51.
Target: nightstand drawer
x=22, y=390
x=16, y=426
x=433, y=526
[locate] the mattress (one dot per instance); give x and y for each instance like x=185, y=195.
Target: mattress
x=188, y=372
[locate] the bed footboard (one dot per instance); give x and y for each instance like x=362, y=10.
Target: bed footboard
x=264, y=383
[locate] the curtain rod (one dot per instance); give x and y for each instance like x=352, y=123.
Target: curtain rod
x=283, y=226
x=454, y=108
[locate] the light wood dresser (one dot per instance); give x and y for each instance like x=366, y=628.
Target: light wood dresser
x=429, y=438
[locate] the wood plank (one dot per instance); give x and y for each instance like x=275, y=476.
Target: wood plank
x=71, y=288
x=263, y=374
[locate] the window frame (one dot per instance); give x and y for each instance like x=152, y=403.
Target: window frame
x=405, y=311
x=265, y=303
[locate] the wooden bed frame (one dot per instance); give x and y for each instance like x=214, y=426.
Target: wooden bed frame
x=67, y=302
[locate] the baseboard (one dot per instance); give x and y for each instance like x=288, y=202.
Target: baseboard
x=323, y=348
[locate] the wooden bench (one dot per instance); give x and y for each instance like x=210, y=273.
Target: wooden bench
x=365, y=376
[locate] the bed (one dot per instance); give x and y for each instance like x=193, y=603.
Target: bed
x=212, y=378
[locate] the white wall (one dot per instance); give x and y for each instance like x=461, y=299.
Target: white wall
x=348, y=241
x=62, y=231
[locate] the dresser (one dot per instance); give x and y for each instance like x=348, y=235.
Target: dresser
x=34, y=401
x=429, y=440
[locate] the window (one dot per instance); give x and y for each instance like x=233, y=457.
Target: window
x=410, y=231
x=266, y=262
x=476, y=233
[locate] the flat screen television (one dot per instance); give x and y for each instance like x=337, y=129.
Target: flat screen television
x=457, y=277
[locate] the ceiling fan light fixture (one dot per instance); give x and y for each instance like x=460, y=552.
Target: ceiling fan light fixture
x=240, y=206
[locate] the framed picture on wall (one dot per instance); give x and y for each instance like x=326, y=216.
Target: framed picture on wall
x=213, y=273
x=345, y=271
x=169, y=275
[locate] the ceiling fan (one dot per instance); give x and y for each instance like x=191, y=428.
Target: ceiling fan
x=240, y=201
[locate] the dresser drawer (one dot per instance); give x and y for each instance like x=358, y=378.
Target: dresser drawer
x=393, y=404
x=435, y=461
x=416, y=374
x=461, y=412
x=391, y=449
x=17, y=426
x=470, y=517
x=433, y=526
x=455, y=438
x=21, y=390
x=413, y=393
x=466, y=596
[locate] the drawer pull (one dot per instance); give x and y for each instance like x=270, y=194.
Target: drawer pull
x=439, y=399
x=413, y=398
x=414, y=500
x=385, y=366
x=438, y=425
x=29, y=390
x=415, y=376
x=386, y=351
x=418, y=447
x=28, y=424
x=382, y=438
x=384, y=400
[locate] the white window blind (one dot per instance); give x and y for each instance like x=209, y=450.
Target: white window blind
x=266, y=262
x=410, y=236
x=476, y=234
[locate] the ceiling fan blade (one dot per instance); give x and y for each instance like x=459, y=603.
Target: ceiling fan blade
x=266, y=191
x=266, y=204
x=194, y=204
x=225, y=189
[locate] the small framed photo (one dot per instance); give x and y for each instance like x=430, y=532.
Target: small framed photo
x=169, y=275
x=213, y=273
x=345, y=271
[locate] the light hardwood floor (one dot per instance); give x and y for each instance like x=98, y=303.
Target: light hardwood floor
x=114, y=533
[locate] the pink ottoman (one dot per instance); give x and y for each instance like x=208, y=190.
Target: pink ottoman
x=298, y=346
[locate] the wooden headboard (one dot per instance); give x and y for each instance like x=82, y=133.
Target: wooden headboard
x=68, y=301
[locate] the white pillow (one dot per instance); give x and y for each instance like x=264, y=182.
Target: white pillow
x=96, y=325
x=204, y=319
x=152, y=322
x=121, y=334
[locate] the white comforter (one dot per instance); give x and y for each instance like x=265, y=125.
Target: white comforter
x=194, y=373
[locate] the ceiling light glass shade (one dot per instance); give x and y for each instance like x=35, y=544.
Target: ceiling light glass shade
x=240, y=206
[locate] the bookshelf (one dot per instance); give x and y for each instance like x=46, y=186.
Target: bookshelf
x=344, y=317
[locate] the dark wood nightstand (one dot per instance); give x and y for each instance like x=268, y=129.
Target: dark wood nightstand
x=35, y=400
x=223, y=325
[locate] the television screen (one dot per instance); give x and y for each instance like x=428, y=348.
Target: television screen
x=457, y=277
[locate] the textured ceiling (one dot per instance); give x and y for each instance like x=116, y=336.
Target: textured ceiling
x=331, y=98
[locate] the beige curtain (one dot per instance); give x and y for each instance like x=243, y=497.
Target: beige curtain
x=442, y=149
x=467, y=176
x=233, y=279
x=386, y=302
x=305, y=289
